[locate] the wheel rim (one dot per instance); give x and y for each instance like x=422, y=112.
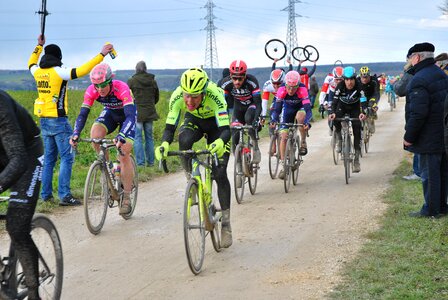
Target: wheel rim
x=273, y=159
x=238, y=175
x=194, y=232
x=275, y=49
x=96, y=196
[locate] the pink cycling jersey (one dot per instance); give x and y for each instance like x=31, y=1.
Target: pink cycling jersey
x=119, y=96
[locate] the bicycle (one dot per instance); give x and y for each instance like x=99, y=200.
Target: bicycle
x=50, y=263
x=366, y=132
x=292, y=157
x=274, y=156
x=243, y=165
x=336, y=154
x=103, y=187
x=391, y=99
x=202, y=213
x=348, y=150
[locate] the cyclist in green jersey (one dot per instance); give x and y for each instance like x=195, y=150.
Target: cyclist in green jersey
x=205, y=115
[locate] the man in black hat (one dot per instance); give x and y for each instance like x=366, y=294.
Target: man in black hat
x=51, y=107
x=424, y=127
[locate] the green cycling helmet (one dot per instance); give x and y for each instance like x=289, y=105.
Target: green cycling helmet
x=194, y=81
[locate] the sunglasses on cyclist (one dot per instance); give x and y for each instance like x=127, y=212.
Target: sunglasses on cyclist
x=191, y=95
x=276, y=83
x=291, y=86
x=103, y=85
x=237, y=78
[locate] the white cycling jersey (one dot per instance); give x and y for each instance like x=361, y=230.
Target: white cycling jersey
x=268, y=88
x=329, y=85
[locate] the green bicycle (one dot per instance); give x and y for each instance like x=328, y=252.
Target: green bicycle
x=202, y=213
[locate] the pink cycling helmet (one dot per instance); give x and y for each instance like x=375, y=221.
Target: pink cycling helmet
x=101, y=73
x=292, y=78
x=277, y=76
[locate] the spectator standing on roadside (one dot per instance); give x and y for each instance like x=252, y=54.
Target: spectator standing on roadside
x=51, y=107
x=400, y=89
x=146, y=95
x=424, y=131
x=314, y=90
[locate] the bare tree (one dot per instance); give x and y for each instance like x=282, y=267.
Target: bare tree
x=444, y=7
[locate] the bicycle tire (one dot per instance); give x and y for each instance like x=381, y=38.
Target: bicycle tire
x=336, y=154
x=287, y=167
x=274, y=159
x=194, y=230
x=296, y=163
x=96, y=197
x=347, y=157
x=50, y=264
x=215, y=234
x=272, y=46
x=366, y=138
x=238, y=175
x=300, y=51
x=312, y=51
x=134, y=190
x=254, y=179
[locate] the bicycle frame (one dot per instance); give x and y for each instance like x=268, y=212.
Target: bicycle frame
x=243, y=131
x=105, y=145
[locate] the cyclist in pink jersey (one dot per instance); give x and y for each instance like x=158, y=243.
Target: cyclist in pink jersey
x=119, y=111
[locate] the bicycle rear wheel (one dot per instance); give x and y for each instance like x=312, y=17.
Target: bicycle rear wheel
x=287, y=167
x=297, y=159
x=238, y=175
x=336, y=154
x=215, y=212
x=96, y=197
x=274, y=159
x=194, y=230
x=134, y=190
x=50, y=263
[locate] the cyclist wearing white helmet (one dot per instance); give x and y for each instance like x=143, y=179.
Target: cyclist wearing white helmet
x=119, y=112
x=292, y=104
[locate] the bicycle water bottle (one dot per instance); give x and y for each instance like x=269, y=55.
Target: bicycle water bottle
x=112, y=52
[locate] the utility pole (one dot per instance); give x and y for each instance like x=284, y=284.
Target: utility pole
x=211, y=52
x=291, y=35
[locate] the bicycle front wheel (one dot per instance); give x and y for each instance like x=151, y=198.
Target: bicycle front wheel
x=50, y=263
x=194, y=230
x=253, y=180
x=134, y=190
x=274, y=158
x=347, y=157
x=238, y=175
x=297, y=159
x=96, y=197
x=366, y=136
x=288, y=163
x=215, y=212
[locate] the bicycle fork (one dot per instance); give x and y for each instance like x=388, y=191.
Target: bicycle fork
x=110, y=182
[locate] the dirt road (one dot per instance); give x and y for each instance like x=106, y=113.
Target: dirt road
x=286, y=246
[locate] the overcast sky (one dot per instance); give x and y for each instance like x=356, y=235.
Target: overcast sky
x=169, y=34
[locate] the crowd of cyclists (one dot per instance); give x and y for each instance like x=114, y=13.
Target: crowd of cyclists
x=204, y=106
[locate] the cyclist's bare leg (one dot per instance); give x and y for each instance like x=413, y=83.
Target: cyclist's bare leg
x=284, y=138
x=300, y=117
x=98, y=131
x=127, y=175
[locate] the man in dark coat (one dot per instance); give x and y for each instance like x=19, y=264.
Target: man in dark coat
x=424, y=130
x=146, y=95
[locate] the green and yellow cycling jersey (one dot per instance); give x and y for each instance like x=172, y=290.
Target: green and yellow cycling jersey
x=213, y=105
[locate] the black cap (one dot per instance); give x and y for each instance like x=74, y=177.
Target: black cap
x=53, y=50
x=422, y=47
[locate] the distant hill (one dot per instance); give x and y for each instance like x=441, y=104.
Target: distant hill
x=168, y=79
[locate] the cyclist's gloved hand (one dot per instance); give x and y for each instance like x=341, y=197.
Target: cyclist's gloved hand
x=120, y=138
x=217, y=147
x=158, y=153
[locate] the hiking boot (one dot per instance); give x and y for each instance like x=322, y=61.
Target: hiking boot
x=356, y=164
x=125, y=206
x=257, y=156
x=226, y=229
x=69, y=200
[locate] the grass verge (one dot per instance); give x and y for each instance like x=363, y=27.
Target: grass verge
x=406, y=258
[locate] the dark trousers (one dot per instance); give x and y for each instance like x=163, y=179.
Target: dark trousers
x=434, y=174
